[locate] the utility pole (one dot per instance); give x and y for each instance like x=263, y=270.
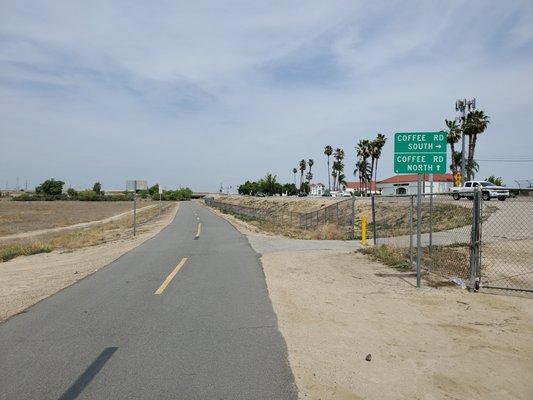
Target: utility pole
x=462, y=106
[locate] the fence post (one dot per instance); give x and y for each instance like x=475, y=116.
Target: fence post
x=430, y=213
x=475, y=241
x=374, y=230
x=418, y=230
x=411, y=231
x=353, y=217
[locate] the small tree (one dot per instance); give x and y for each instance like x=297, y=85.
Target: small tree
x=290, y=189
x=153, y=190
x=72, y=193
x=50, y=187
x=498, y=181
x=97, y=188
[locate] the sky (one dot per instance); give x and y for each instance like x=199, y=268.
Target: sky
x=211, y=93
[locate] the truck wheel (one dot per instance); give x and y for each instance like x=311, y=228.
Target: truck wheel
x=502, y=198
x=470, y=197
x=456, y=196
x=485, y=196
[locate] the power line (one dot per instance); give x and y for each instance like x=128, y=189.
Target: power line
x=505, y=159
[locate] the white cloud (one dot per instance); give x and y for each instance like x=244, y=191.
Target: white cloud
x=207, y=91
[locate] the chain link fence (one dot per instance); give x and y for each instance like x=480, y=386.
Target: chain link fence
x=506, y=254
x=338, y=213
x=474, y=242
x=445, y=227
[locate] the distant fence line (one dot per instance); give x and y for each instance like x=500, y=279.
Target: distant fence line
x=338, y=213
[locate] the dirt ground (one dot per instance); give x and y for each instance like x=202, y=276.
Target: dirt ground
x=335, y=308
x=26, y=280
x=19, y=216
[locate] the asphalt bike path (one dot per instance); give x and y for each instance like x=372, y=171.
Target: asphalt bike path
x=186, y=315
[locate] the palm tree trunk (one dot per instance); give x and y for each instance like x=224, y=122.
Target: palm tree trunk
x=471, y=150
x=454, y=167
x=375, y=176
x=470, y=159
x=329, y=177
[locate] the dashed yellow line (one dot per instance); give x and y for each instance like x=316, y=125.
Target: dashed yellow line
x=199, y=230
x=171, y=276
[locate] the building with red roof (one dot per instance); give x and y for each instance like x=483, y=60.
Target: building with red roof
x=407, y=184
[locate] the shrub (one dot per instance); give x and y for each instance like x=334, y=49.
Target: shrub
x=72, y=193
x=50, y=187
x=12, y=251
x=88, y=195
x=97, y=188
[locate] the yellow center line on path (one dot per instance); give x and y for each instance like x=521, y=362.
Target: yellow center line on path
x=199, y=230
x=171, y=276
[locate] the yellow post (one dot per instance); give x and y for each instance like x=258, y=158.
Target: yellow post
x=363, y=230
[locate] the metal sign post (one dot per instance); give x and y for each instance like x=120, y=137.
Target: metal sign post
x=420, y=153
x=160, y=192
x=135, y=185
x=418, y=233
x=135, y=208
x=430, y=213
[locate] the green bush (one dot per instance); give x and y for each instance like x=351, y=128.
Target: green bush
x=50, y=187
x=89, y=195
x=72, y=193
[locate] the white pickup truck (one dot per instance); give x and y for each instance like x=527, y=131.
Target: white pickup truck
x=488, y=190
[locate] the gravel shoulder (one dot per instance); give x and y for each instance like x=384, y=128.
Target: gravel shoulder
x=26, y=280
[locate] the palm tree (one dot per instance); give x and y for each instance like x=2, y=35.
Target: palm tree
x=303, y=166
x=328, y=151
x=294, y=171
x=310, y=162
x=342, y=179
x=309, y=176
x=372, y=148
x=363, y=153
x=475, y=124
x=338, y=165
x=454, y=135
x=379, y=143
x=458, y=160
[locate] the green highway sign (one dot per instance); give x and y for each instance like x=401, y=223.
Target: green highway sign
x=420, y=152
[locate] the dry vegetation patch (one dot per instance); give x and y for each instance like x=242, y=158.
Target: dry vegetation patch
x=280, y=204
x=311, y=220
x=17, y=216
x=447, y=261
x=77, y=238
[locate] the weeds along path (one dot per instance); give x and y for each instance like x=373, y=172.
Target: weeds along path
x=39, y=232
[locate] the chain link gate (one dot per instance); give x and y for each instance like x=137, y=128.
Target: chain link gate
x=505, y=260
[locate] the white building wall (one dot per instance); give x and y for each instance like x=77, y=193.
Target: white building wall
x=391, y=189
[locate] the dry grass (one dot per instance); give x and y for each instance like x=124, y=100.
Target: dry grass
x=281, y=204
x=447, y=261
x=78, y=238
x=392, y=216
x=18, y=217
